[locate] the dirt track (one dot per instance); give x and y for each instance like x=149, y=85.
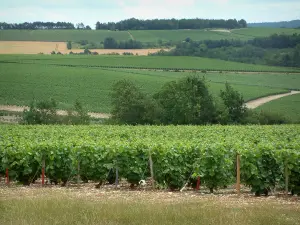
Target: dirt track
x=258, y=102
x=36, y=47
x=14, y=108
x=251, y=105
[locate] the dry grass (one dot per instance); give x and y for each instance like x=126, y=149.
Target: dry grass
x=36, y=47
x=27, y=205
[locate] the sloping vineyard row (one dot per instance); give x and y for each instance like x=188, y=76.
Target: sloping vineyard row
x=267, y=153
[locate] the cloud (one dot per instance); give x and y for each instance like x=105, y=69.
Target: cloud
x=89, y=12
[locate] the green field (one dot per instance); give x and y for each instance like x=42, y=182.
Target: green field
x=140, y=35
x=289, y=106
x=62, y=35
x=250, y=33
x=141, y=62
x=22, y=82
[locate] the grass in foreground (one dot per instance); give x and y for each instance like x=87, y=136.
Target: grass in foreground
x=66, y=206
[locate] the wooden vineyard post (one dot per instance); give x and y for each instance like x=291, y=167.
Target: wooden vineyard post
x=7, y=176
x=151, y=171
x=78, y=173
x=198, y=184
x=238, y=174
x=43, y=172
x=117, y=178
x=286, y=174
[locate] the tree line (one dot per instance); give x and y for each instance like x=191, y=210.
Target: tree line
x=171, y=24
x=42, y=26
x=36, y=26
x=275, y=50
x=187, y=101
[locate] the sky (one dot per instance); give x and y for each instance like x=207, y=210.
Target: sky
x=91, y=11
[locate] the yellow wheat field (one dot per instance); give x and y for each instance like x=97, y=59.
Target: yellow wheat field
x=36, y=47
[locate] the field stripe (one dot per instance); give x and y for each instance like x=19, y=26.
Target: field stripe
x=174, y=69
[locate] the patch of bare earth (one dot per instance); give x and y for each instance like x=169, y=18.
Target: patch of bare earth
x=14, y=108
x=36, y=47
x=110, y=193
x=221, y=30
x=258, y=102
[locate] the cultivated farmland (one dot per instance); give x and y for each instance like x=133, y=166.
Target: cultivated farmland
x=139, y=35
x=61, y=35
x=143, y=62
x=290, y=104
x=176, y=152
x=21, y=82
x=37, y=47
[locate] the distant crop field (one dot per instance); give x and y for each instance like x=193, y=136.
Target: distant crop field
x=46, y=47
x=21, y=83
x=289, y=106
x=140, y=35
x=143, y=62
x=62, y=35
x=250, y=33
x=181, y=35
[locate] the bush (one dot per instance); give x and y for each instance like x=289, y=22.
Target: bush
x=235, y=104
x=128, y=53
x=53, y=53
x=264, y=118
x=43, y=112
x=128, y=103
x=78, y=116
x=186, y=101
x=69, y=45
x=86, y=51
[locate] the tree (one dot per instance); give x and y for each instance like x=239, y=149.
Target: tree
x=234, y=103
x=128, y=103
x=98, y=25
x=242, y=23
x=80, y=26
x=110, y=43
x=69, y=45
x=186, y=101
x=88, y=27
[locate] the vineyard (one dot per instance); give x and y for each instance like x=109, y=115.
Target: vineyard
x=143, y=62
x=269, y=155
x=290, y=104
x=146, y=36
x=20, y=83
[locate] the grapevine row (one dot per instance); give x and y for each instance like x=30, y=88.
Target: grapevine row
x=177, y=152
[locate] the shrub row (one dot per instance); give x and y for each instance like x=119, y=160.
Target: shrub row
x=209, y=153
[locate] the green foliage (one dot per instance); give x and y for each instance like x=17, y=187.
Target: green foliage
x=69, y=45
x=265, y=118
x=262, y=172
x=235, y=104
x=23, y=82
x=284, y=109
x=78, y=116
x=43, y=112
x=177, y=153
x=128, y=103
x=186, y=101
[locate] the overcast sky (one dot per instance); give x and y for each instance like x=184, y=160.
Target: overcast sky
x=91, y=11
